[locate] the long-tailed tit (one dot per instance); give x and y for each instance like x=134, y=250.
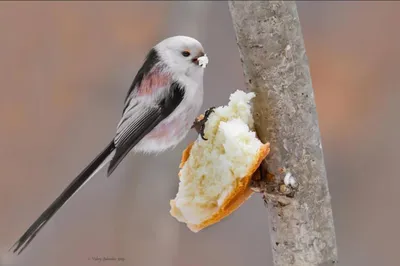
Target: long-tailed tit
x=163, y=101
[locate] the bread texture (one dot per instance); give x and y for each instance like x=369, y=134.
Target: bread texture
x=215, y=173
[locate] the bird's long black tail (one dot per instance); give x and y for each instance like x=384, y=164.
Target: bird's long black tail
x=68, y=192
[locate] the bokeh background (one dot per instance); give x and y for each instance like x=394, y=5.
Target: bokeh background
x=64, y=71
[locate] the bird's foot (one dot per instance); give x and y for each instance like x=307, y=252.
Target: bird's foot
x=199, y=124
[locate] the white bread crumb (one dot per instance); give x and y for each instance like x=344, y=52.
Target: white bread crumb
x=289, y=180
x=203, y=61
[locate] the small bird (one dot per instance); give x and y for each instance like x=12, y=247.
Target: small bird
x=159, y=109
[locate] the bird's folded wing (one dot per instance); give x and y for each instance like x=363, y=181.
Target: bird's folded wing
x=133, y=132
x=140, y=118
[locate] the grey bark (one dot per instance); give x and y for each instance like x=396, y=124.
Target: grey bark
x=276, y=68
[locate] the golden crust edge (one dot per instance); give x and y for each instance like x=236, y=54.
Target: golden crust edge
x=186, y=154
x=236, y=198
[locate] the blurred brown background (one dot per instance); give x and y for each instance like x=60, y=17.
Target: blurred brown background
x=64, y=71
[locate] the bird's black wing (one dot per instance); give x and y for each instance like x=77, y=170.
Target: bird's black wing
x=149, y=63
x=140, y=118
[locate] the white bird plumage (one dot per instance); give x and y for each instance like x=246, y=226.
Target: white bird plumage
x=163, y=101
x=177, y=68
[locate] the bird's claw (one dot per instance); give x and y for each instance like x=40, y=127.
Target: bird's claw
x=199, y=125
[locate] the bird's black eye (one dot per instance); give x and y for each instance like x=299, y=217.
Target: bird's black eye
x=185, y=53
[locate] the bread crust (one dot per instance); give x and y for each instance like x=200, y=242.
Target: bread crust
x=236, y=198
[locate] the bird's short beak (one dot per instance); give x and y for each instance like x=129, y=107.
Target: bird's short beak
x=201, y=59
x=196, y=58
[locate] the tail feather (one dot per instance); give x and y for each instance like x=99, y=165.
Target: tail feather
x=68, y=192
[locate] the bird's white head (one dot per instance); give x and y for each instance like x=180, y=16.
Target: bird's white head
x=183, y=55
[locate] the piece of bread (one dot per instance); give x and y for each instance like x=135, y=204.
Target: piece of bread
x=215, y=173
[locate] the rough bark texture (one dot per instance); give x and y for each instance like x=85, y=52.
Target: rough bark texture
x=276, y=68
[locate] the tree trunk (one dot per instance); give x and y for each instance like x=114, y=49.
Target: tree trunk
x=276, y=68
